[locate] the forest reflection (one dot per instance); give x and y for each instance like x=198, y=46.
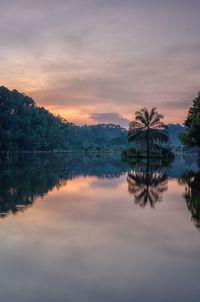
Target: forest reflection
x=191, y=180
x=24, y=178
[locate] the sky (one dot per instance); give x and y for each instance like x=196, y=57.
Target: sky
x=98, y=61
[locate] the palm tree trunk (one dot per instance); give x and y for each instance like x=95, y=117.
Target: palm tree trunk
x=148, y=145
x=148, y=162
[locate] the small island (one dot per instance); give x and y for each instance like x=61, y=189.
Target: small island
x=148, y=136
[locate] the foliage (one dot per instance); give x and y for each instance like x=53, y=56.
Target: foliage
x=165, y=153
x=192, y=138
x=100, y=138
x=25, y=126
x=184, y=138
x=147, y=129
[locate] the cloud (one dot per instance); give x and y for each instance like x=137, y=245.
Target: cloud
x=113, y=118
x=178, y=104
x=117, y=56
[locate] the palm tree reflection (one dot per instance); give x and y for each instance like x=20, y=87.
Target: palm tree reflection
x=191, y=180
x=147, y=186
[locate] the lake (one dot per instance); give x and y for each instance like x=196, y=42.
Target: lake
x=93, y=228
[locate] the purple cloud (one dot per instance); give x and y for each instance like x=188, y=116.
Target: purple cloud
x=110, y=118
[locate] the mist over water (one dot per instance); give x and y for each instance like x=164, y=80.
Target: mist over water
x=90, y=227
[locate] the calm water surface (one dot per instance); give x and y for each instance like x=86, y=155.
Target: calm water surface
x=95, y=229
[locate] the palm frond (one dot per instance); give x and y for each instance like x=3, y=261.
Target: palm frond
x=157, y=135
x=134, y=125
x=141, y=119
x=147, y=126
x=153, y=113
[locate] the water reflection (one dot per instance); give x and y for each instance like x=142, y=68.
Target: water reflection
x=89, y=236
x=24, y=178
x=191, y=180
x=147, y=186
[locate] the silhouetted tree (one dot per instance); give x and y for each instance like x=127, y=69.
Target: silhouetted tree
x=192, y=137
x=147, y=129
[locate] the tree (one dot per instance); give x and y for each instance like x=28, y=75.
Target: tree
x=192, y=137
x=26, y=127
x=147, y=129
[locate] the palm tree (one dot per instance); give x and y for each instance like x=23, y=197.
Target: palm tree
x=147, y=129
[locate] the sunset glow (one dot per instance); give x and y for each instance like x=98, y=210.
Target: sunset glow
x=82, y=58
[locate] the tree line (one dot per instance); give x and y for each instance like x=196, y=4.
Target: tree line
x=25, y=126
